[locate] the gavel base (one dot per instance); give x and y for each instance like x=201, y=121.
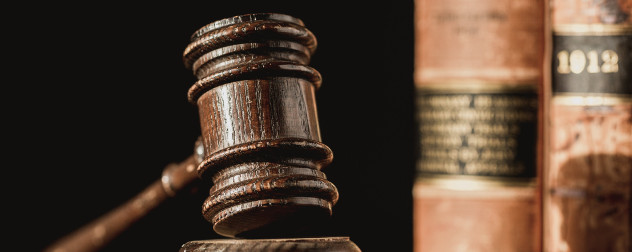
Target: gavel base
x=314, y=244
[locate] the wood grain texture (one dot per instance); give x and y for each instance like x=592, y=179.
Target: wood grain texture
x=328, y=244
x=210, y=38
x=98, y=233
x=255, y=97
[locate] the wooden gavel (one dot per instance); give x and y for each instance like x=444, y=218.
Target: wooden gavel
x=260, y=142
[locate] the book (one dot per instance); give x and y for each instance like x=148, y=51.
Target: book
x=587, y=181
x=478, y=76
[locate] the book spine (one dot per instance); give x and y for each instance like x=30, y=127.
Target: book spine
x=478, y=76
x=587, y=182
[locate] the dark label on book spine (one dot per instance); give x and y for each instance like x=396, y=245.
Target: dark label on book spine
x=592, y=60
x=483, y=130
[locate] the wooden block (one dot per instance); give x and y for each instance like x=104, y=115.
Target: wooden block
x=342, y=244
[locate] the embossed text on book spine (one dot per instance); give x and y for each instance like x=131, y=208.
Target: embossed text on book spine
x=588, y=180
x=478, y=76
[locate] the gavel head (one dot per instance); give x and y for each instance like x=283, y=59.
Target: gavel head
x=259, y=126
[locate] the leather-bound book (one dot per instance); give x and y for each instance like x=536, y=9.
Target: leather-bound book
x=587, y=182
x=478, y=76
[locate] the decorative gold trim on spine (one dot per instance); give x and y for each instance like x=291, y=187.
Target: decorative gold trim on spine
x=592, y=29
x=477, y=86
x=472, y=183
x=591, y=100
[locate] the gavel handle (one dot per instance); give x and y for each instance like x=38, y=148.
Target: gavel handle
x=98, y=233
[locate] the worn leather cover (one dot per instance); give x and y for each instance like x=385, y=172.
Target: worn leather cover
x=479, y=76
x=587, y=183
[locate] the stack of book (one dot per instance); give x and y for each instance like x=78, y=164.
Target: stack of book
x=524, y=112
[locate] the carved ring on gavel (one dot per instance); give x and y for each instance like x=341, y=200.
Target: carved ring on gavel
x=259, y=126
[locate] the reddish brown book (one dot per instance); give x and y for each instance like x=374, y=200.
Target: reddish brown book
x=587, y=182
x=478, y=75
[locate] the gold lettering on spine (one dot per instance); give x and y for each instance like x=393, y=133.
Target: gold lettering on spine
x=576, y=61
x=472, y=133
x=611, y=61
x=591, y=64
x=586, y=183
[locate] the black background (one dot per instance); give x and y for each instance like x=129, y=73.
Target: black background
x=95, y=104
